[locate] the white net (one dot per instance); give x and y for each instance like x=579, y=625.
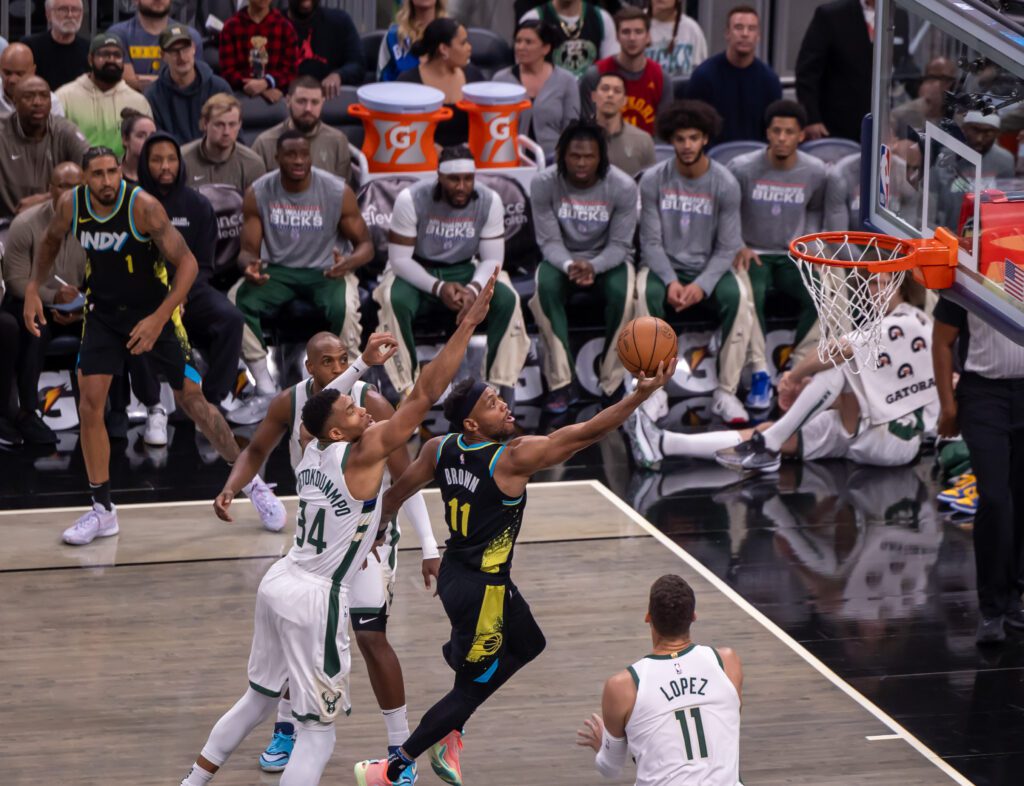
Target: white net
x=851, y=301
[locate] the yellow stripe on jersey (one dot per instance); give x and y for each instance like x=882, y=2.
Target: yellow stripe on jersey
x=496, y=553
x=489, y=624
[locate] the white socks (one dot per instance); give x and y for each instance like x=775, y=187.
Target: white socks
x=234, y=726
x=818, y=396
x=314, y=745
x=701, y=446
x=265, y=385
x=197, y=776
x=397, y=723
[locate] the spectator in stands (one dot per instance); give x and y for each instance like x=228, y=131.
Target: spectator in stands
x=444, y=52
x=330, y=49
x=677, y=42
x=32, y=143
x=62, y=288
x=94, y=101
x=4, y=43
x=586, y=33
x=980, y=133
x=61, y=55
x=737, y=83
x=439, y=229
x=784, y=194
x=939, y=76
x=553, y=90
x=136, y=128
x=218, y=157
x=646, y=90
x=629, y=148
x=833, y=66
x=141, y=36
x=213, y=324
x=183, y=86
x=329, y=146
x=987, y=409
x=297, y=214
x=16, y=63
x=689, y=235
x=584, y=211
x=258, y=50
x=411, y=19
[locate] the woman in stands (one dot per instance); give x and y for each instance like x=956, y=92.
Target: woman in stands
x=677, y=42
x=136, y=128
x=396, y=48
x=554, y=91
x=444, y=51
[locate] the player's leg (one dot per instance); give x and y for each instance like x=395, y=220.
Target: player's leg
x=759, y=277
x=787, y=278
x=256, y=301
x=617, y=285
x=217, y=326
x=507, y=342
x=548, y=305
x=731, y=298
x=650, y=294
x=400, y=302
x=253, y=352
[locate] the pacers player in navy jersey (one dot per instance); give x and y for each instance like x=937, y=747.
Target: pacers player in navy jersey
x=482, y=473
x=131, y=309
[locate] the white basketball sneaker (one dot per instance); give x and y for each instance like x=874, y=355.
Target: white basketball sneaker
x=268, y=506
x=728, y=408
x=97, y=523
x=156, y=426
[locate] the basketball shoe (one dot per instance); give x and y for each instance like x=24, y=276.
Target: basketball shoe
x=728, y=408
x=156, y=426
x=373, y=772
x=760, y=395
x=268, y=506
x=97, y=523
x=279, y=751
x=750, y=456
x=444, y=759
x=644, y=439
x=958, y=490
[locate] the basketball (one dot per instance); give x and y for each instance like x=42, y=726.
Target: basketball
x=644, y=343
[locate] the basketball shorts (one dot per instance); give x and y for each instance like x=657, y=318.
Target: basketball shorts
x=372, y=591
x=104, y=348
x=886, y=445
x=301, y=638
x=485, y=617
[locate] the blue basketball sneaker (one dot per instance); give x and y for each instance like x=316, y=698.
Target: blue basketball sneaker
x=760, y=395
x=279, y=751
x=408, y=776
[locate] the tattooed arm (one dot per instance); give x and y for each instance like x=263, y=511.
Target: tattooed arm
x=152, y=220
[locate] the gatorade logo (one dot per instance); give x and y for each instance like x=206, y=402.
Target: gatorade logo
x=399, y=138
x=399, y=142
x=501, y=127
x=102, y=241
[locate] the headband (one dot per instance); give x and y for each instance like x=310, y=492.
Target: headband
x=457, y=166
x=468, y=402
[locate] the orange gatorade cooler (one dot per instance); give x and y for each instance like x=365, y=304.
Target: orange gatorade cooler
x=400, y=120
x=493, y=109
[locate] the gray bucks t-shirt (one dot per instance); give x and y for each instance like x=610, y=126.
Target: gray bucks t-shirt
x=596, y=223
x=445, y=234
x=300, y=230
x=688, y=225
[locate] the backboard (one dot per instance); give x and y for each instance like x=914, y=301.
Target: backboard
x=936, y=150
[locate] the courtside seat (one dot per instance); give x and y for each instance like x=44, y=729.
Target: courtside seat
x=258, y=116
x=491, y=52
x=831, y=149
x=371, y=53
x=727, y=151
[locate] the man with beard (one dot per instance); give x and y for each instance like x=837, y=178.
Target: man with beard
x=218, y=156
x=328, y=146
x=299, y=214
x=131, y=310
x=330, y=49
x=140, y=36
x=32, y=143
x=210, y=320
x=16, y=63
x=94, y=101
x=61, y=55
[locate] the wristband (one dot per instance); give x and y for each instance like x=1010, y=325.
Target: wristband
x=477, y=284
x=436, y=289
x=270, y=80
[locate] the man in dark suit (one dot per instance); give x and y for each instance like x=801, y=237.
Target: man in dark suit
x=833, y=67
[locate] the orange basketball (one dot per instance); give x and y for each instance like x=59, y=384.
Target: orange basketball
x=644, y=343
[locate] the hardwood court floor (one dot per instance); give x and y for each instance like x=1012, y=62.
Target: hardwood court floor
x=115, y=674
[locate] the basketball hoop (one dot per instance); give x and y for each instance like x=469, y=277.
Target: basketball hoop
x=852, y=276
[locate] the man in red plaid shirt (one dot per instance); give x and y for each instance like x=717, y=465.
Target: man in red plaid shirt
x=258, y=51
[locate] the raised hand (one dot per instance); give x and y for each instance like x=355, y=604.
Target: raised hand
x=645, y=386
x=380, y=348
x=477, y=312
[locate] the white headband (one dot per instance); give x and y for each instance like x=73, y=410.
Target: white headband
x=457, y=166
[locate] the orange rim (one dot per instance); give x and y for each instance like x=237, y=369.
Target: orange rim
x=885, y=244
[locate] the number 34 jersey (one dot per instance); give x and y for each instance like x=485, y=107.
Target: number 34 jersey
x=334, y=531
x=685, y=725
x=482, y=521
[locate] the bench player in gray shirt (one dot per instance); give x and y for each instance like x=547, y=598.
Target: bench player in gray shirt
x=689, y=235
x=447, y=236
x=785, y=193
x=584, y=212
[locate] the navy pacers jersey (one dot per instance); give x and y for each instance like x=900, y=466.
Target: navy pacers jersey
x=124, y=269
x=482, y=521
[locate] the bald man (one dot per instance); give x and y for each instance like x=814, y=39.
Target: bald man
x=939, y=76
x=57, y=294
x=32, y=143
x=16, y=63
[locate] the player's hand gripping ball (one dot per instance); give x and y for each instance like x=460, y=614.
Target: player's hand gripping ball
x=644, y=343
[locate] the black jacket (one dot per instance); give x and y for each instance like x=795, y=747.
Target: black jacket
x=833, y=67
x=328, y=43
x=189, y=211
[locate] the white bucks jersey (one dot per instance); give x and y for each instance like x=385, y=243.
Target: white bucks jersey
x=334, y=531
x=300, y=395
x=685, y=725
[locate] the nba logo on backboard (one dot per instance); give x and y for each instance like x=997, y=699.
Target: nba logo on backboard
x=884, y=167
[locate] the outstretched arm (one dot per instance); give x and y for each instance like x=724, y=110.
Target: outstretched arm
x=606, y=733
x=419, y=473
x=46, y=254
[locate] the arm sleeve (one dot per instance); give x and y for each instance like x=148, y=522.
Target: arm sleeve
x=351, y=48
x=344, y=382
x=408, y=269
x=404, y=221
x=810, y=65
x=728, y=238
x=621, y=231
x=611, y=757
x=492, y=243
x=415, y=509
x=653, y=249
x=545, y=225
